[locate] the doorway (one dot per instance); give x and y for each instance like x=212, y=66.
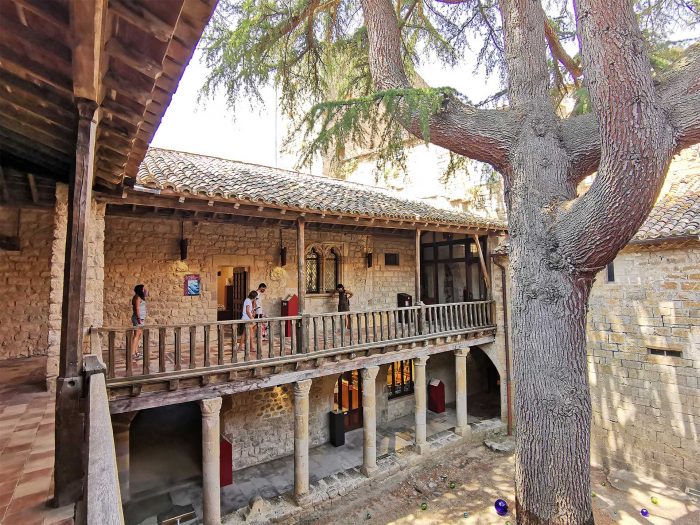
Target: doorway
x=347, y=398
x=232, y=290
x=483, y=386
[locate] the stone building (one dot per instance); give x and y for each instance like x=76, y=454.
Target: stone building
x=190, y=217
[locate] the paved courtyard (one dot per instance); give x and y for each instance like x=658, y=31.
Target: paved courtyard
x=27, y=447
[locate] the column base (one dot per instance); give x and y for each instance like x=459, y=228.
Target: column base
x=303, y=500
x=369, y=471
x=463, y=431
x=421, y=448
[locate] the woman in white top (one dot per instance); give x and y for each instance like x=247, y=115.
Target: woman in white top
x=248, y=314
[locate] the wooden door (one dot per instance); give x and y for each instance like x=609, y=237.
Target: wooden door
x=350, y=399
x=239, y=291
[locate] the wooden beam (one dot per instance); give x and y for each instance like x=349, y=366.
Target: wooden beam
x=35, y=135
x=31, y=71
x=69, y=420
x=482, y=262
x=43, y=49
x=138, y=15
x=301, y=265
x=35, y=118
x=138, y=61
x=32, y=188
x=48, y=113
x=120, y=111
x=3, y=186
x=31, y=150
x=59, y=100
x=88, y=26
x=46, y=11
x=127, y=89
x=418, y=270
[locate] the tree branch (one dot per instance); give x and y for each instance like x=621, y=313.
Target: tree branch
x=480, y=134
x=636, y=138
x=678, y=90
x=559, y=53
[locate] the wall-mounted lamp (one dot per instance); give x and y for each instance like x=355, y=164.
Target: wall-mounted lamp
x=183, y=242
x=369, y=260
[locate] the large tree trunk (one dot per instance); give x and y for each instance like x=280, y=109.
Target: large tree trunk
x=552, y=400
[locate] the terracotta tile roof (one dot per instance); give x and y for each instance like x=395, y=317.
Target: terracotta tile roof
x=237, y=181
x=677, y=210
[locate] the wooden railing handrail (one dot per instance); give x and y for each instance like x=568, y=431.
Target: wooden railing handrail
x=184, y=348
x=198, y=323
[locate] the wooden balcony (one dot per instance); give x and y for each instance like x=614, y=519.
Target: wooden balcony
x=212, y=356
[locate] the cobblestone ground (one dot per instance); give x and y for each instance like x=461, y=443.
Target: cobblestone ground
x=481, y=476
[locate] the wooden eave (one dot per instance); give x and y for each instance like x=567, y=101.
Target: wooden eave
x=170, y=204
x=127, y=55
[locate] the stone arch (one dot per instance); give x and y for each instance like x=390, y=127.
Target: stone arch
x=484, y=385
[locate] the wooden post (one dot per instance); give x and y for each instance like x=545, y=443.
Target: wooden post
x=301, y=266
x=417, y=296
x=482, y=263
x=69, y=420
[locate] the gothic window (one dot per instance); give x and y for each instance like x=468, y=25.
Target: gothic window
x=331, y=270
x=313, y=271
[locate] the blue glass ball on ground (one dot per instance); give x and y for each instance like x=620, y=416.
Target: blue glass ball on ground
x=501, y=507
x=644, y=512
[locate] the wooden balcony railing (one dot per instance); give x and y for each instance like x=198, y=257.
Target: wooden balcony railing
x=169, y=348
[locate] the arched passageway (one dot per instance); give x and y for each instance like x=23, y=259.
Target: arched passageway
x=483, y=386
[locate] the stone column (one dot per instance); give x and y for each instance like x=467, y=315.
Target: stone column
x=462, y=427
x=301, y=439
x=421, y=393
x=369, y=420
x=58, y=262
x=121, y=424
x=211, y=488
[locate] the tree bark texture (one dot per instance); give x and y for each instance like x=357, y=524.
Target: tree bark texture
x=559, y=240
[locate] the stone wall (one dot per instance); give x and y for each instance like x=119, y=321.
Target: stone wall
x=147, y=251
x=645, y=406
x=25, y=280
x=260, y=424
x=58, y=264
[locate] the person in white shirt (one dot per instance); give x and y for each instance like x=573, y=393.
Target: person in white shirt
x=248, y=314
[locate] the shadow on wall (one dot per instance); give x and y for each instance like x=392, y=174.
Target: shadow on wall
x=165, y=446
x=483, y=386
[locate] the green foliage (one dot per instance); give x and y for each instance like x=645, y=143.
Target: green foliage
x=316, y=53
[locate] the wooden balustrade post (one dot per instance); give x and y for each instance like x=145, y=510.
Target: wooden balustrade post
x=423, y=328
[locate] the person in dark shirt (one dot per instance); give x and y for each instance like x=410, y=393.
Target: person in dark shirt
x=343, y=301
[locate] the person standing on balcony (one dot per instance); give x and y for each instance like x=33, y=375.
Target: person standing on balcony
x=259, y=312
x=249, y=306
x=138, y=318
x=343, y=301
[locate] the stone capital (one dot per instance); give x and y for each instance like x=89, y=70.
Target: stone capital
x=369, y=373
x=462, y=352
x=122, y=422
x=210, y=407
x=302, y=388
x=421, y=361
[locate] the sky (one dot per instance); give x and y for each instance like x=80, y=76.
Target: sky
x=252, y=135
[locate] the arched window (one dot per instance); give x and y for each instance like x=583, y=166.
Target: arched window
x=313, y=271
x=331, y=270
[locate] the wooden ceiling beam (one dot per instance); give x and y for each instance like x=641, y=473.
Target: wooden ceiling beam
x=31, y=71
x=25, y=117
x=32, y=188
x=127, y=89
x=132, y=58
x=43, y=10
x=139, y=16
x=88, y=23
x=120, y=111
x=44, y=50
x=34, y=112
x=25, y=148
x=19, y=127
x=61, y=101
